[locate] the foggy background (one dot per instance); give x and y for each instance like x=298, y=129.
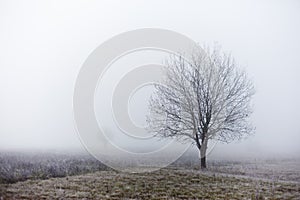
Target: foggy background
x=44, y=43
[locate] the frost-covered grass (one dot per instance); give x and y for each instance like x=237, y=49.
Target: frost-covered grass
x=276, y=170
x=163, y=184
x=283, y=169
x=74, y=176
x=16, y=167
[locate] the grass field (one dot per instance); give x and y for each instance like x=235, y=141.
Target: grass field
x=162, y=184
x=82, y=177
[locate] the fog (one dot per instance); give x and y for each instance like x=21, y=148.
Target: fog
x=44, y=44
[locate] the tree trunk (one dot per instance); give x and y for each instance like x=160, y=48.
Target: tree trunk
x=203, y=162
x=203, y=154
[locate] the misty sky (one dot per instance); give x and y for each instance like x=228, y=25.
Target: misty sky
x=44, y=43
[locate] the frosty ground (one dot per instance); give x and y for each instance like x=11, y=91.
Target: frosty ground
x=256, y=179
x=162, y=184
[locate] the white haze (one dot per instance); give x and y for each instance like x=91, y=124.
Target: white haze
x=44, y=43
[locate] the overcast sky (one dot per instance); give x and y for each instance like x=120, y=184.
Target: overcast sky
x=44, y=43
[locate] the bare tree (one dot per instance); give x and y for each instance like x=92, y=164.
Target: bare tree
x=204, y=98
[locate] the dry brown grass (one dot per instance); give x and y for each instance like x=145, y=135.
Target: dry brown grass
x=162, y=184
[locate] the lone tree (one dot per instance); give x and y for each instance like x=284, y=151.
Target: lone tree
x=206, y=97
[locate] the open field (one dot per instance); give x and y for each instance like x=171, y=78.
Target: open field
x=82, y=177
x=162, y=184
